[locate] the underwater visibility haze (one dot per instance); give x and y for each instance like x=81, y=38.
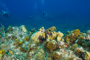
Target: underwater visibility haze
x=44, y=29
x=59, y=12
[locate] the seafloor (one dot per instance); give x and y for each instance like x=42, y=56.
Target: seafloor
x=17, y=43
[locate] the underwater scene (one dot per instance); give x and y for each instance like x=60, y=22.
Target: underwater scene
x=44, y=29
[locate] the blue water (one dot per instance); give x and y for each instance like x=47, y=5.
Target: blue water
x=64, y=14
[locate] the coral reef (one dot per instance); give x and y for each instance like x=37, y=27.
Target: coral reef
x=17, y=43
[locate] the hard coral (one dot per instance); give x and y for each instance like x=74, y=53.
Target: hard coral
x=61, y=44
x=23, y=28
x=39, y=56
x=22, y=49
x=10, y=52
x=42, y=29
x=0, y=36
x=21, y=42
x=74, y=46
x=88, y=32
x=10, y=29
x=59, y=36
x=67, y=39
x=26, y=38
x=88, y=37
x=70, y=58
x=2, y=52
x=77, y=51
x=56, y=55
x=52, y=29
x=55, y=36
x=73, y=38
x=16, y=42
x=50, y=37
x=87, y=56
x=38, y=36
x=81, y=38
x=70, y=38
x=76, y=32
x=49, y=58
x=51, y=45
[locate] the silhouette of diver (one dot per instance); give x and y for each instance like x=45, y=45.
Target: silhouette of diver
x=5, y=14
x=44, y=14
x=30, y=18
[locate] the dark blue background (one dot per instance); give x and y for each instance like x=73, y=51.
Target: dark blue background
x=64, y=14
